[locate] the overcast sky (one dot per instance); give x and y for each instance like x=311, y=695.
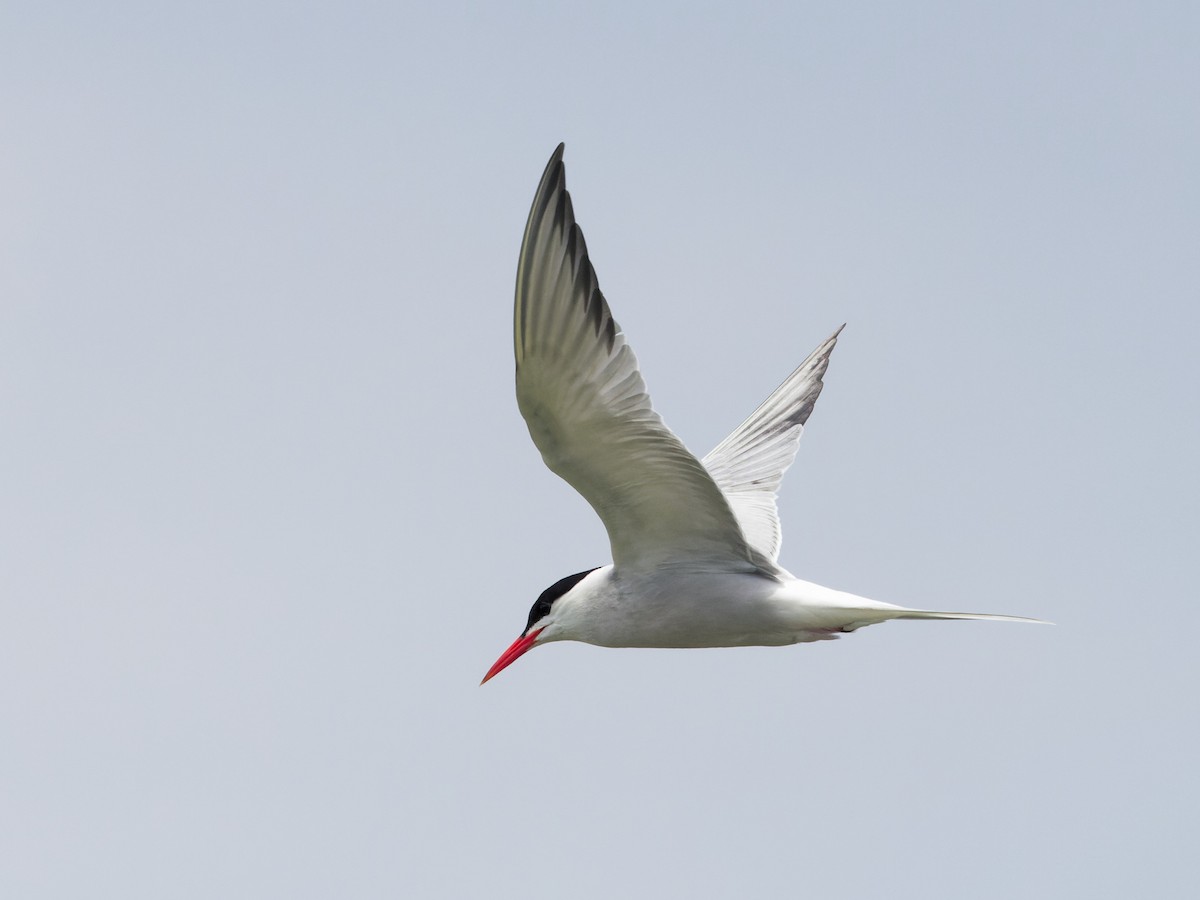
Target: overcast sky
x=268, y=510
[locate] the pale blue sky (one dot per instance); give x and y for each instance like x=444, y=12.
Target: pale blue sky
x=268, y=510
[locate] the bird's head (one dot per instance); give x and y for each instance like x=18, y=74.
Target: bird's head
x=549, y=620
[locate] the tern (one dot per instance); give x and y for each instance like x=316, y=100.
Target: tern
x=695, y=543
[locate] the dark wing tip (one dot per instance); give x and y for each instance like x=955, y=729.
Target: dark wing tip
x=555, y=158
x=554, y=200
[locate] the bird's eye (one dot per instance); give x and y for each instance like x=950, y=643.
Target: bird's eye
x=542, y=606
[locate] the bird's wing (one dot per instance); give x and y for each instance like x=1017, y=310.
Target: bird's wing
x=749, y=464
x=588, y=411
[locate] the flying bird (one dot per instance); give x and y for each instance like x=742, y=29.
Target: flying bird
x=695, y=543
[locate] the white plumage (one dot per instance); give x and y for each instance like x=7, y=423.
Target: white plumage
x=694, y=544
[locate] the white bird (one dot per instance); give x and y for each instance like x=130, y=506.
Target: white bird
x=694, y=542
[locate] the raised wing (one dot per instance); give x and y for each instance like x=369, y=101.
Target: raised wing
x=588, y=411
x=749, y=464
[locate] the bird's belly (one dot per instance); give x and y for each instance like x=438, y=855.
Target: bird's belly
x=727, y=610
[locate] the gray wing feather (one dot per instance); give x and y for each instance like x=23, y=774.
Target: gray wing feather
x=749, y=464
x=588, y=411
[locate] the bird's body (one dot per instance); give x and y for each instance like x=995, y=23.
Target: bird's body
x=695, y=607
x=695, y=542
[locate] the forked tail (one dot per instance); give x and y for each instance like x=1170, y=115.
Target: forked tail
x=931, y=614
